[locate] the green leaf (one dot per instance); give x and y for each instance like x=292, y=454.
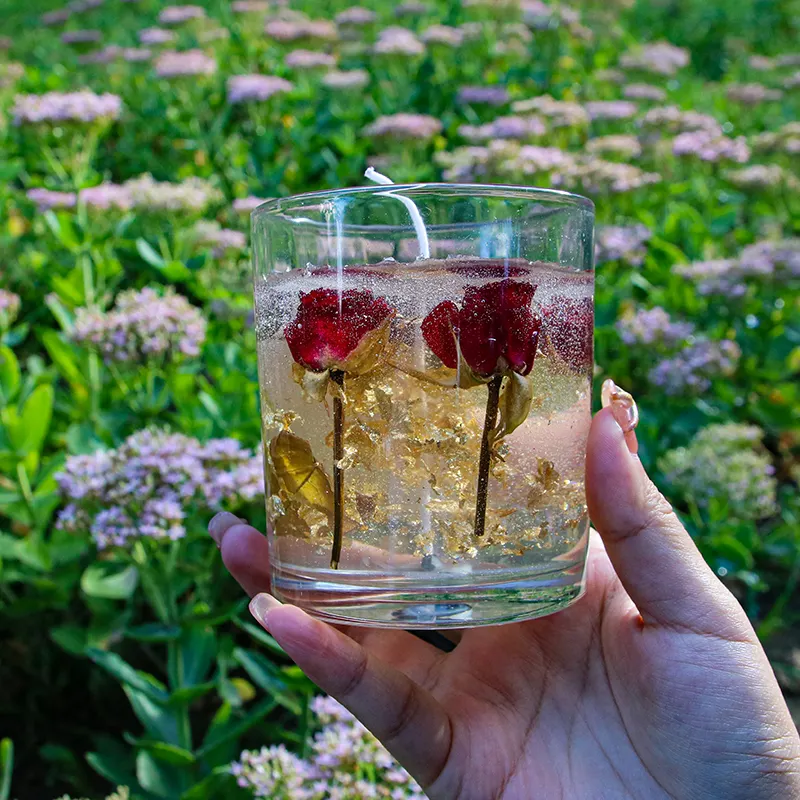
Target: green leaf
x=266, y=675
x=125, y=673
x=226, y=726
x=159, y=722
x=218, y=784
x=160, y=779
x=175, y=271
x=9, y=374
x=113, y=761
x=6, y=767
x=71, y=638
x=187, y=694
x=149, y=255
x=28, y=435
x=198, y=648
x=154, y=632
x=62, y=228
x=113, y=581
x=168, y=753
x=65, y=358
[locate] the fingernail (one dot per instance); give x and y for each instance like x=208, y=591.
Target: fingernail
x=220, y=523
x=261, y=605
x=623, y=409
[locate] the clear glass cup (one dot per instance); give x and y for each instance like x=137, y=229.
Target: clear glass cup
x=425, y=361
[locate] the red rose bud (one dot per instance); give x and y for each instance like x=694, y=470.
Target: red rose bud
x=569, y=331
x=495, y=329
x=329, y=328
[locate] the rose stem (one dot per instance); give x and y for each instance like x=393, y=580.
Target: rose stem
x=492, y=404
x=337, y=376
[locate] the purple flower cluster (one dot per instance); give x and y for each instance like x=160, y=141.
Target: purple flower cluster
x=644, y=91
x=511, y=127
x=143, y=325
x=531, y=159
x=711, y=147
x=156, y=36
x=105, y=196
x=142, y=488
x=355, y=16
x=177, y=64
x=346, y=79
x=776, y=258
x=622, y=144
x=295, y=30
x=255, y=88
x=10, y=73
x=191, y=195
x=309, y=59
x=561, y=113
x=671, y=119
x=56, y=17
x=464, y=164
x=596, y=176
x=444, y=35
x=622, y=243
x=751, y=94
x=9, y=308
x=792, y=82
x=346, y=761
x=725, y=464
x=404, y=127
x=653, y=326
x=177, y=15
x=56, y=107
x=222, y=240
x=661, y=58
x=762, y=261
x=81, y=37
x=107, y=55
x=46, y=200
x=763, y=177
x=611, y=109
x=398, y=41
x=244, y=205
x=483, y=95
x=785, y=140
x=717, y=276
x=692, y=369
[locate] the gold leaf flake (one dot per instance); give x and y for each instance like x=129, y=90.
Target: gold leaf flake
x=366, y=505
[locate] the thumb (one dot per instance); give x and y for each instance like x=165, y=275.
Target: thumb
x=652, y=553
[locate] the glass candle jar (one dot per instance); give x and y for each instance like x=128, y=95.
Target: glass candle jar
x=425, y=361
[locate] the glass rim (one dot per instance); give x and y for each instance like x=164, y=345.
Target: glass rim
x=277, y=204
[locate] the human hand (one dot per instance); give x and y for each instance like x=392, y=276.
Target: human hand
x=653, y=685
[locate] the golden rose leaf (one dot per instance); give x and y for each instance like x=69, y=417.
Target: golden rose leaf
x=515, y=403
x=299, y=474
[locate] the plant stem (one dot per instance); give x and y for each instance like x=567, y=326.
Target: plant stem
x=337, y=376
x=490, y=420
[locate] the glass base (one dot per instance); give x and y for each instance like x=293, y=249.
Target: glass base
x=352, y=598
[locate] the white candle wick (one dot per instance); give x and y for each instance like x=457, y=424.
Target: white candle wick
x=419, y=225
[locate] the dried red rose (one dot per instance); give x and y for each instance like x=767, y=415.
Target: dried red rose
x=333, y=331
x=495, y=329
x=568, y=331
